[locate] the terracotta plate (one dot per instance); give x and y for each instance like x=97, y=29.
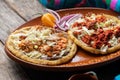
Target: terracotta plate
x=83, y=60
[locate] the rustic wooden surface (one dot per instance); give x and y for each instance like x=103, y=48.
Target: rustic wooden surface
x=14, y=13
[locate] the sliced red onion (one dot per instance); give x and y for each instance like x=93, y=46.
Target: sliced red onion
x=66, y=18
x=64, y=23
x=72, y=19
x=60, y=27
x=54, y=13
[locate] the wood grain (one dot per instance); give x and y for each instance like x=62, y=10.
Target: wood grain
x=27, y=9
x=10, y=70
x=9, y=20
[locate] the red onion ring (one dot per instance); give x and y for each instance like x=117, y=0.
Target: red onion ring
x=66, y=18
x=64, y=22
x=72, y=19
x=54, y=13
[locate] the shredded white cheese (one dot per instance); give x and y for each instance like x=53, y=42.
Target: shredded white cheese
x=113, y=41
x=80, y=20
x=104, y=48
x=85, y=30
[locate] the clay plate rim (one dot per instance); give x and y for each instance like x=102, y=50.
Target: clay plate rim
x=80, y=65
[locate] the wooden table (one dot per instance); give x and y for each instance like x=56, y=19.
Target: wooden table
x=14, y=13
